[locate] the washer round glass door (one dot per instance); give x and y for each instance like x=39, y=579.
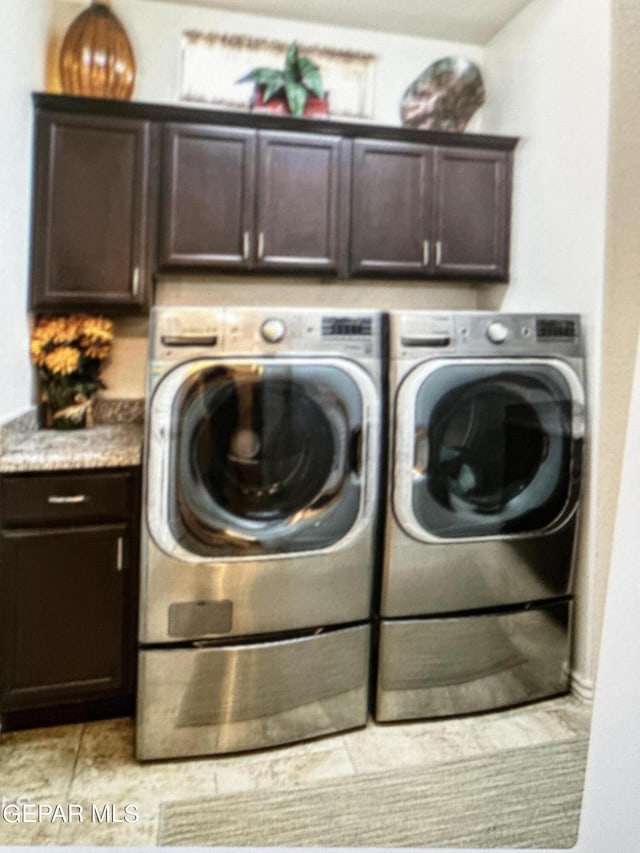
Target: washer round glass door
x=489, y=449
x=265, y=456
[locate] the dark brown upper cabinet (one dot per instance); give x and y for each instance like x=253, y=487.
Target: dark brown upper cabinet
x=471, y=214
x=430, y=211
x=92, y=210
x=391, y=207
x=206, y=201
x=235, y=197
x=123, y=190
x=298, y=201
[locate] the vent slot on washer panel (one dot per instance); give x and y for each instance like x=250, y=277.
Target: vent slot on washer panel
x=556, y=330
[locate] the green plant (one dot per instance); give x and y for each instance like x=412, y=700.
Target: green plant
x=299, y=79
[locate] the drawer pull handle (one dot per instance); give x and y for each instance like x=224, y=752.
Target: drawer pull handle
x=68, y=499
x=119, y=554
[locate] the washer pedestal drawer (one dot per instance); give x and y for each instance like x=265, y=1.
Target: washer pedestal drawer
x=443, y=666
x=212, y=699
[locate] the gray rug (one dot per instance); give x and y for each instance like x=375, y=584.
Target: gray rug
x=514, y=798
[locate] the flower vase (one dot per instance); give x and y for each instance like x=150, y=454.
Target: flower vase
x=96, y=58
x=69, y=352
x=314, y=107
x=65, y=409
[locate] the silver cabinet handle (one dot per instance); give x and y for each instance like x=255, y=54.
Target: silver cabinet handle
x=119, y=553
x=438, y=252
x=135, y=282
x=246, y=245
x=68, y=499
x=425, y=253
x=261, y=245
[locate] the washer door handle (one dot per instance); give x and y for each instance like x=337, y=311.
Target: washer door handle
x=355, y=451
x=420, y=452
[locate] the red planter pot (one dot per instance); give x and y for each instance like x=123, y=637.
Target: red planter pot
x=314, y=108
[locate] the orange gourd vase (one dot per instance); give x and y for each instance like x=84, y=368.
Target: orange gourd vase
x=96, y=58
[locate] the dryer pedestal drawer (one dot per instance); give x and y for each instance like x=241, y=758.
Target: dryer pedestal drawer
x=439, y=667
x=226, y=698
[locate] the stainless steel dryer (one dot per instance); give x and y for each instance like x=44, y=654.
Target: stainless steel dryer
x=485, y=464
x=262, y=456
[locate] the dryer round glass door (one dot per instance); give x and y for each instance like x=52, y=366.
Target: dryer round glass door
x=494, y=448
x=265, y=457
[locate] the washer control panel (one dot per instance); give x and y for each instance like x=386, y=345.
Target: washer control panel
x=184, y=332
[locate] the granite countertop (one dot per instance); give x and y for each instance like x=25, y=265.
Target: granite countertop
x=114, y=441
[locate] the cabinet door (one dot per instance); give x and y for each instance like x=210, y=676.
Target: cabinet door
x=91, y=214
x=391, y=207
x=471, y=228
x=63, y=615
x=298, y=201
x=207, y=196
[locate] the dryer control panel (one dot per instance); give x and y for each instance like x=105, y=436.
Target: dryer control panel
x=425, y=334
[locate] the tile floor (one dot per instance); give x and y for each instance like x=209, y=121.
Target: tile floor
x=92, y=765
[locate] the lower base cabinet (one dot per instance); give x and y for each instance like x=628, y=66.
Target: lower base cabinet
x=69, y=603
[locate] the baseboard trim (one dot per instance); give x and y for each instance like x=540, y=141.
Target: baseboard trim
x=583, y=688
x=74, y=712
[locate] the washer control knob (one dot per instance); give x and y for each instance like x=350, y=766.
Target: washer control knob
x=273, y=330
x=497, y=332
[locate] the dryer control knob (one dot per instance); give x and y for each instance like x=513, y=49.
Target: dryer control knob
x=273, y=330
x=497, y=332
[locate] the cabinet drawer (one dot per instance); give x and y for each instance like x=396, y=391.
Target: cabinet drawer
x=66, y=498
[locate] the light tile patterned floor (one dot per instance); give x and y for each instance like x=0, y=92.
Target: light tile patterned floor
x=92, y=764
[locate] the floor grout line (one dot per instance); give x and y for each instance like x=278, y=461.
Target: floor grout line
x=56, y=841
x=349, y=753
x=76, y=759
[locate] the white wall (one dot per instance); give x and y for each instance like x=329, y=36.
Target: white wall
x=621, y=314
x=549, y=72
x=155, y=30
x=24, y=28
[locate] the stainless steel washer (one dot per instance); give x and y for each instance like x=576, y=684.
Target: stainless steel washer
x=262, y=456
x=487, y=429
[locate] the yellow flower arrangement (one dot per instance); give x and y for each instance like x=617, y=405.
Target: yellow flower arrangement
x=69, y=352
x=62, y=360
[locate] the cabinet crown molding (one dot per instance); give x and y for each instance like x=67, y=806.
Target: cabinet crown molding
x=261, y=121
